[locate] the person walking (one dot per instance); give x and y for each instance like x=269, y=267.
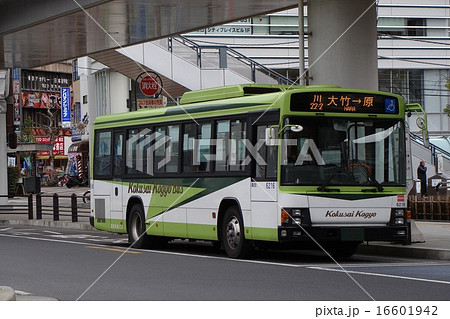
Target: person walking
x=422, y=175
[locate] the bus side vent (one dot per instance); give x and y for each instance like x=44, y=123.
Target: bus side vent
x=100, y=210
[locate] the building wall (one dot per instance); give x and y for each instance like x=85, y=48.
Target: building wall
x=413, y=42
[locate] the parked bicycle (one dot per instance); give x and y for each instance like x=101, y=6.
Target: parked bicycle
x=87, y=197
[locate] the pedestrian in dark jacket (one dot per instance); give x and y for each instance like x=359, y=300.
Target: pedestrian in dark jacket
x=422, y=175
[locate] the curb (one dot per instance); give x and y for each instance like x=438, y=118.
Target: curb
x=49, y=223
x=9, y=294
x=404, y=251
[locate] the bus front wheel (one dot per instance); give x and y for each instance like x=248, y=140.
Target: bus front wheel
x=136, y=227
x=232, y=234
x=342, y=250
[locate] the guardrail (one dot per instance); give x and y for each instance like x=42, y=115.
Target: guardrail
x=433, y=148
x=429, y=207
x=38, y=206
x=201, y=55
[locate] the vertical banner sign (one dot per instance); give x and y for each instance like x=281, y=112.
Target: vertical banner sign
x=16, y=94
x=65, y=106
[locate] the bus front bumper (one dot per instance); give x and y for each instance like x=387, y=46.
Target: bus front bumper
x=326, y=234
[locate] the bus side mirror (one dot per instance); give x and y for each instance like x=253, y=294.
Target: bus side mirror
x=271, y=136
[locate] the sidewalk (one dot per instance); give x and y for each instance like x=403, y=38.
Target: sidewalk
x=47, y=219
x=435, y=234
x=436, y=245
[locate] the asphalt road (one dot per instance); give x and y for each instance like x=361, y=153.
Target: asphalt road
x=91, y=265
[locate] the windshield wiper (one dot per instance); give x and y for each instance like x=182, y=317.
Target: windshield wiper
x=324, y=188
x=371, y=178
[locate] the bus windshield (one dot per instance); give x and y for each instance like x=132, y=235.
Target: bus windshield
x=345, y=152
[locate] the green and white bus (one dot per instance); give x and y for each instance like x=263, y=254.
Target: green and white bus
x=246, y=166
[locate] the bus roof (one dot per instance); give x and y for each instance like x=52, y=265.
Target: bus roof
x=232, y=99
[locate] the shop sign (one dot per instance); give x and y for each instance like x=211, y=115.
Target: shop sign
x=58, y=145
x=152, y=103
x=151, y=85
x=16, y=94
x=65, y=106
x=41, y=100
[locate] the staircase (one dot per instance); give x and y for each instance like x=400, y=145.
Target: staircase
x=430, y=154
x=199, y=67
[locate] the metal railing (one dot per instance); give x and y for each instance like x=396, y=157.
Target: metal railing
x=433, y=148
x=216, y=56
x=70, y=208
x=435, y=152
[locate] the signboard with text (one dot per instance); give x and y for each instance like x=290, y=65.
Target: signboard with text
x=58, y=145
x=345, y=102
x=151, y=85
x=152, y=103
x=16, y=94
x=65, y=106
x=41, y=100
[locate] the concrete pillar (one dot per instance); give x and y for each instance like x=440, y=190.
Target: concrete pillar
x=3, y=161
x=342, y=46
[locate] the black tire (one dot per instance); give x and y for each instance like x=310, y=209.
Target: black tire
x=87, y=197
x=233, y=234
x=341, y=250
x=217, y=245
x=137, y=236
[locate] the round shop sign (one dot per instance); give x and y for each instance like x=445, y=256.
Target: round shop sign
x=151, y=84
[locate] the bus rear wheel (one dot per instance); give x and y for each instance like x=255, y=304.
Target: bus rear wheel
x=232, y=234
x=137, y=236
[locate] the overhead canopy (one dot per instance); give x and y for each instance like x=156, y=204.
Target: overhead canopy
x=40, y=32
x=79, y=147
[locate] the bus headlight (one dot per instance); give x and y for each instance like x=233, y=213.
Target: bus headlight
x=399, y=213
x=399, y=221
x=296, y=212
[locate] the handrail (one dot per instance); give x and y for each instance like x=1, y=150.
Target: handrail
x=254, y=66
x=433, y=148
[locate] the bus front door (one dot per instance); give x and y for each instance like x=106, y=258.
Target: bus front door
x=117, y=214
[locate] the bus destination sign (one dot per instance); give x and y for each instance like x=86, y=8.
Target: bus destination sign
x=344, y=102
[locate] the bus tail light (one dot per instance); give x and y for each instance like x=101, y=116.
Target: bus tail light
x=408, y=214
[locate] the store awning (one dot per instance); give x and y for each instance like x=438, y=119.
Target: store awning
x=46, y=157
x=79, y=147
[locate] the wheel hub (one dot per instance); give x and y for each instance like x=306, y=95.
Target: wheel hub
x=233, y=232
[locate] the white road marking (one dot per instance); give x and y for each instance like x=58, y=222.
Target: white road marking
x=5, y=229
x=382, y=275
x=22, y=293
x=52, y=232
x=120, y=241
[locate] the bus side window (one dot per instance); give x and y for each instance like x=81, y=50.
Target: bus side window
x=203, y=149
x=222, y=151
x=268, y=154
x=189, y=134
x=173, y=131
x=118, y=155
x=230, y=147
x=159, y=149
x=237, y=147
x=102, y=154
